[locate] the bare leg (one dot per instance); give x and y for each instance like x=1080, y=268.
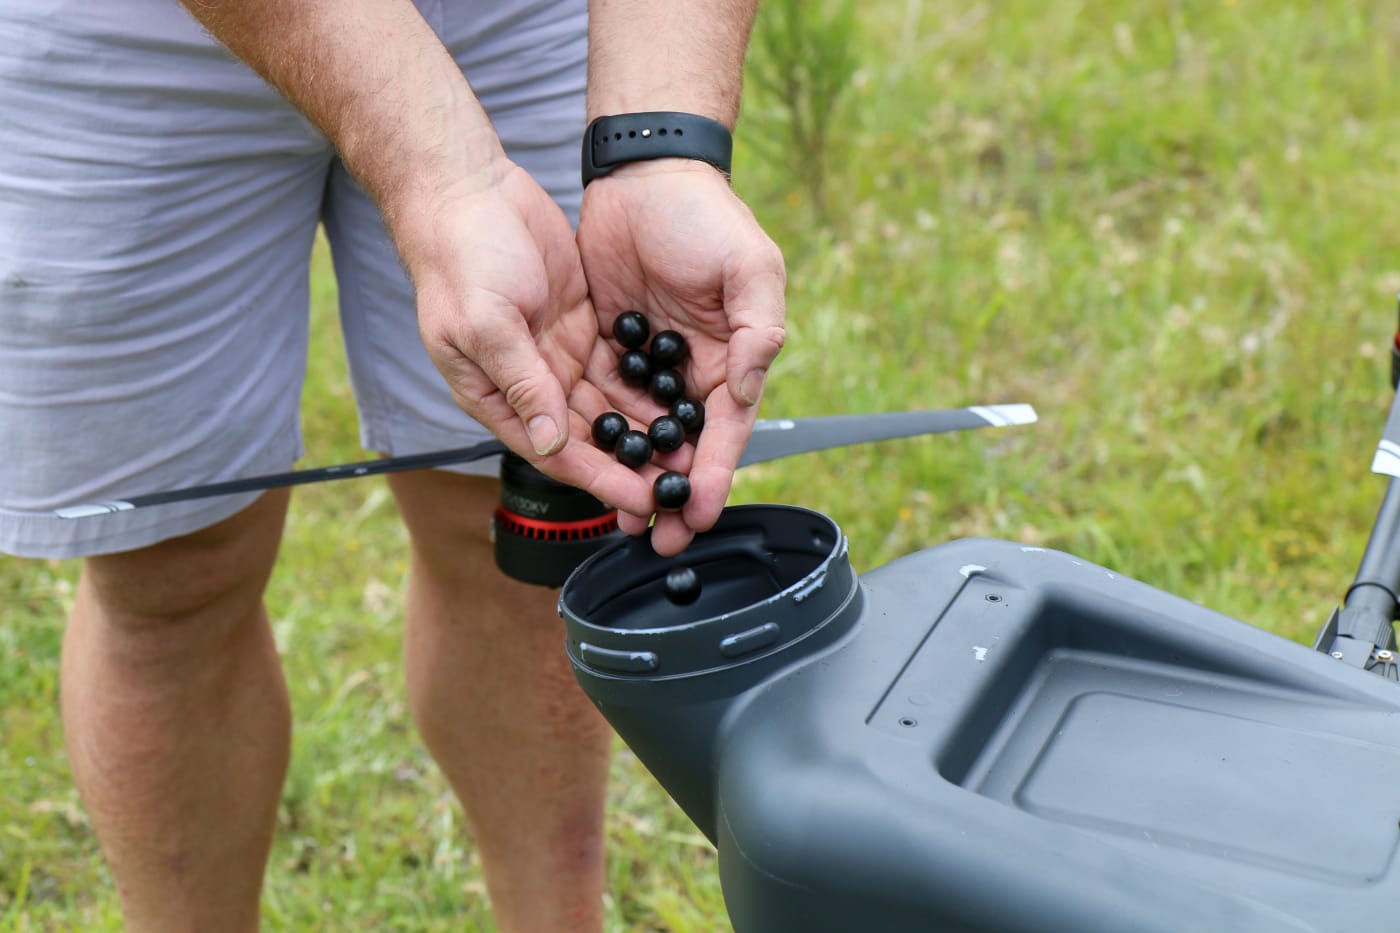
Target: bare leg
x=177, y=723
x=495, y=700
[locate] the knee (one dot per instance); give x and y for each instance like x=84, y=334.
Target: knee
x=205, y=581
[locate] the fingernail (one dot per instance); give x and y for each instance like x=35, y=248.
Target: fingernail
x=544, y=434
x=751, y=389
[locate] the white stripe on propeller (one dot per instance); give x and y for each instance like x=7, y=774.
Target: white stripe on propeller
x=93, y=508
x=1002, y=415
x=1387, y=459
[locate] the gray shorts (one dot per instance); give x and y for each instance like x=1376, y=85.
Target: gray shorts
x=158, y=206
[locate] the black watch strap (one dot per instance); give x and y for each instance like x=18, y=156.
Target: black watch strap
x=635, y=137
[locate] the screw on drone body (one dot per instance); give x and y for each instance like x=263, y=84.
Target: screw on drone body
x=1384, y=655
x=1338, y=655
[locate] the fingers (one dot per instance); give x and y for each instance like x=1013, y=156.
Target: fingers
x=670, y=534
x=509, y=385
x=671, y=531
x=633, y=525
x=683, y=249
x=709, y=463
x=508, y=356
x=587, y=401
x=718, y=447
x=586, y=467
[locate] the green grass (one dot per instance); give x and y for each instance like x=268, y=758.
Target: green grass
x=1163, y=223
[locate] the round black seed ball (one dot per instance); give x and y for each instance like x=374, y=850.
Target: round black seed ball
x=689, y=412
x=682, y=586
x=631, y=329
x=633, y=448
x=607, y=428
x=666, y=434
x=672, y=490
x=667, y=385
x=634, y=367
x=668, y=348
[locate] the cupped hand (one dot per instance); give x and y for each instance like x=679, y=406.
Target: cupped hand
x=670, y=238
x=504, y=312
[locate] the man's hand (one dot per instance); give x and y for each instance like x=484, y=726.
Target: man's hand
x=670, y=238
x=502, y=302
x=503, y=309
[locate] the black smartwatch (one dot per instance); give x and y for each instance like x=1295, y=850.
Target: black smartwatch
x=635, y=137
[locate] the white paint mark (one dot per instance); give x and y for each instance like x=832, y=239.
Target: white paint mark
x=967, y=570
x=89, y=509
x=1000, y=416
x=1387, y=459
x=810, y=588
x=770, y=424
x=979, y=652
x=1032, y=550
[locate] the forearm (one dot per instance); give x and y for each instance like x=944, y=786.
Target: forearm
x=684, y=55
x=372, y=75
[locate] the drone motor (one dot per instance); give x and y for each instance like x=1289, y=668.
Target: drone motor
x=543, y=529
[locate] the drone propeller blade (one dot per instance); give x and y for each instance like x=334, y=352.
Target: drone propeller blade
x=785, y=438
x=771, y=440
x=294, y=478
x=1387, y=458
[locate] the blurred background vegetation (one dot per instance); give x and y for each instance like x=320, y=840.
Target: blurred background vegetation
x=1165, y=223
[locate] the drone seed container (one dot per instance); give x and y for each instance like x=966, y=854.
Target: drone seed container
x=775, y=587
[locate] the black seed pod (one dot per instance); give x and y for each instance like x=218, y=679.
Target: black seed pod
x=668, y=349
x=634, y=367
x=682, y=586
x=672, y=490
x=666, y=434
x=633, y=448
x=690, y=412
x=667, y=385
x=631, y=329
x=607, y=428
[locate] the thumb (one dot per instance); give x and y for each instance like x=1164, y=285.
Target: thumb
x=757, y=309
x=511, y=360
x=751, y=352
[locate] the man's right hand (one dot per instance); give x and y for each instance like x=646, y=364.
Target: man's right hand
x=504, y=312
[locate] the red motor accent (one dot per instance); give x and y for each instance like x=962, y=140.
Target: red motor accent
x=537, y=530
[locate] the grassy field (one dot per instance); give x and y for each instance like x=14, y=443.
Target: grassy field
x=1165, y=224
